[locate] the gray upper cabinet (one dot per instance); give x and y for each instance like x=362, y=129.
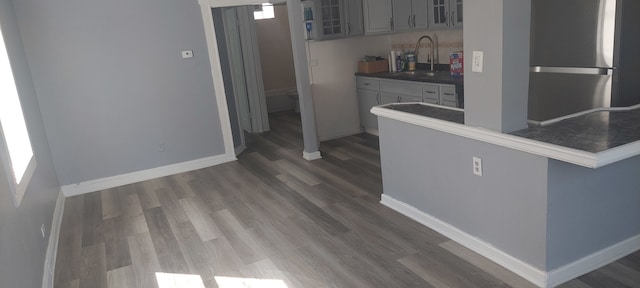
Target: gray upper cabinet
x=354, y=24
x=410, y=15
x=446, y=14
x=378, y=16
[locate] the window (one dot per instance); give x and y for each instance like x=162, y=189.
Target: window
x=16, y=153
x=263, y=11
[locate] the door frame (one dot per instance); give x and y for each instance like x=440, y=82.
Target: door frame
x=294, y=7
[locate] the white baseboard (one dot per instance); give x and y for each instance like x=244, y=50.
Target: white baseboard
x=239, y=149
x=52, y=247
x=593, y=261
x=311, y=156
x=278, y=91
x=534, y=275
x=340, y=134
x=371, y=131
x=133, y=177
x=526, y=271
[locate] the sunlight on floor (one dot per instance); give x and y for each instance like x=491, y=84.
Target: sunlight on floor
x=171, y=280
x=233, y=282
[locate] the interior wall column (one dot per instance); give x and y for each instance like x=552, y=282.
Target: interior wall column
x=301, y=65
x=496, y=98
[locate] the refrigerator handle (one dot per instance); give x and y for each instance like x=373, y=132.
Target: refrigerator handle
x=572, y=70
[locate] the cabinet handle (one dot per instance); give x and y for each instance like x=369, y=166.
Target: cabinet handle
x=349, y=28
x=399, y=99
x=366, y=84
x=414, y=20
x=449, y=94
x=431, y=92
x=409, y=21
x=378, y=98
x=391, y=23
x=453, y=22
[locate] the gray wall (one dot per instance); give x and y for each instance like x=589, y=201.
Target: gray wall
x=113, y=87
x=589, y=209
x=432, y=171
x=22, y=248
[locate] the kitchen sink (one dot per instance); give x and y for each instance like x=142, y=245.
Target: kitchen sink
x=418, y=73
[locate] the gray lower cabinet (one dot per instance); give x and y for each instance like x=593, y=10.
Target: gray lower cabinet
x=375, y=91
x=368, y=90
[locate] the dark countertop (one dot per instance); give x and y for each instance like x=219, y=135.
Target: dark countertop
x=430, y=111
x=593, y=132
x=442, y=77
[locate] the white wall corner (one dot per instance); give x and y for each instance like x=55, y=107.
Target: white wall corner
x=311, y=156
x=143, y=175
x=52, y=247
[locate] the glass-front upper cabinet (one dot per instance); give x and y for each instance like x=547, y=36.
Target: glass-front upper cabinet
x=445, y=14
x=331, y=21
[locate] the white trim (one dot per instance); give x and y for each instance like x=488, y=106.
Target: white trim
x=279, y=91
x=311, y=156
x=52, y=247
x=128, y=178
x=371, y=131
x=526, y=271
x=341, y=134
x=216, y=76
x=593, y=261
x=239, y=149
x=570, y=155
x=534, y=275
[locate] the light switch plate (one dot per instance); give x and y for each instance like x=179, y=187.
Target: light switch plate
x=476, y=66
x=187, y=54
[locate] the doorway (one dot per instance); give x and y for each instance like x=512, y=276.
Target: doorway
x=257, y=66
x=221, y=86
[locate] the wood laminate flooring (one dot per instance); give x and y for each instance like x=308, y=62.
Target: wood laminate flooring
x=272, y=219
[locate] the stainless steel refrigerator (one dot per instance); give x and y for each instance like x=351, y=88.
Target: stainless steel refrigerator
x=584, y=54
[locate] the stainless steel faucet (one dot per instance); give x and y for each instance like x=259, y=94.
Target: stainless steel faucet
x=433, y=47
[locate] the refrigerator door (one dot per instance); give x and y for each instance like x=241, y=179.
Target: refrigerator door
x=553, y=95
x=572, y=33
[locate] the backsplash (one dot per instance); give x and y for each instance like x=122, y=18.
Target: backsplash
x=447, y=41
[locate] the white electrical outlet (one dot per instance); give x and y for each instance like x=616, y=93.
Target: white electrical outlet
x=477, y=166
x=476, y=66
x=187, y=54
x=44, y=232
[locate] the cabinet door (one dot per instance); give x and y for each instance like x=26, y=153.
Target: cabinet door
x=438, y=14
x=431, y=91
x=353, y=17
x=366, y=100
x=378, y=16
x=387, y=98
x=448, y=93
x=331, y=19
x=419, y=19
x=402, y=15
x=455, y=17
x=409, y=98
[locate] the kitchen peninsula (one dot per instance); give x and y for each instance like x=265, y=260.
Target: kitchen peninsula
x=550, y=203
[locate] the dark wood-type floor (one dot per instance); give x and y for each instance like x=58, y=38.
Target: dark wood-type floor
x=272, y=215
